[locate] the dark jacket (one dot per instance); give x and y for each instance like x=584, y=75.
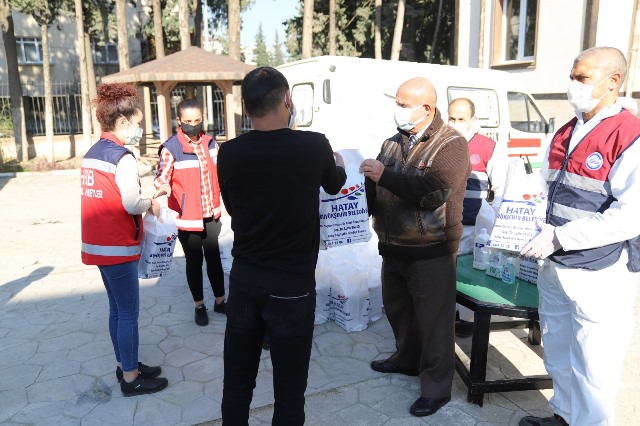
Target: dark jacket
x=417, y=203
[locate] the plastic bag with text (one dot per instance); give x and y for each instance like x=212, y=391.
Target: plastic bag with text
x=158, y=241
x=344, y=218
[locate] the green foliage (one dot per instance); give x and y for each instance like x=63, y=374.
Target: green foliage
x=43, y=11
x=355, y=22
x=261, y=55
x=277, y=57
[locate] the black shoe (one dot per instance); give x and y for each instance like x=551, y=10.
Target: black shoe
x=266, y=343
x=202, y=318
x=384, y=366
x=428, y=406
x=144, y=370
x=221, y=307
x=554, y=420
x=143, y=385
x=464, y=328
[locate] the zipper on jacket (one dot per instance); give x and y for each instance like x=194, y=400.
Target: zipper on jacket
x=136, y=220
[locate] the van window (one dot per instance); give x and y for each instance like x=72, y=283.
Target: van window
x=302, y=96
x=524, y=114
x=485, y=101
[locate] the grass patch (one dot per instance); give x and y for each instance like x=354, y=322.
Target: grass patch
x=39, y=165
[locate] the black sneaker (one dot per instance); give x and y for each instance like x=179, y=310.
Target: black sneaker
x=144, y=370
x=221, y=307
x=143, y=385
x=202, y=318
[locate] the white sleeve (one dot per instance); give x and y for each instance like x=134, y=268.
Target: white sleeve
x=127, y=179
x=620, y=221
x=497, y=169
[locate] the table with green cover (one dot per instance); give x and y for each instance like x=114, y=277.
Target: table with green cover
x=486, y=296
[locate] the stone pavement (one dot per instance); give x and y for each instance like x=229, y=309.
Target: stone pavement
x=57, y=364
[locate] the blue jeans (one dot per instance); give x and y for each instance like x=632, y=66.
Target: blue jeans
x=123, y=289
x=287, y=318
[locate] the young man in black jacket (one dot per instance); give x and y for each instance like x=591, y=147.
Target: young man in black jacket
x=269, y=181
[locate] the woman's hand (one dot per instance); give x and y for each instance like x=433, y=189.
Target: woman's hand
x=163, y=190
x=154, y=209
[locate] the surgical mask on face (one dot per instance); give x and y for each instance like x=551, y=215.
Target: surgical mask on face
x=292, y=115
x=402, y=117
x=191, y=129
x=463, y=128
x=135, y=138
x=580, y=95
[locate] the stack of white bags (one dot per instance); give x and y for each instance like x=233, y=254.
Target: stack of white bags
x=348, y=281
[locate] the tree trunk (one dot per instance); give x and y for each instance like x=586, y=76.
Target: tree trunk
x=13, y=77
x=332, y=27
x=93, y=91
x=396, y=44
x=84, y=78
x=435, y=33
x=48, y=95
x=378, y=30
x=234, y=28
x=307, y=29
x=197, y=24
x=123, y=34
x=157, y=28
x=183, y=22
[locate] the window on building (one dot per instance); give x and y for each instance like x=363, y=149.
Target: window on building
x=106, y=53
x=29, y=50
x=515, y=29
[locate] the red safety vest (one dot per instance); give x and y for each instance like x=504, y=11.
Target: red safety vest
x=480, y=152
x=186, y=194
x=110, y=235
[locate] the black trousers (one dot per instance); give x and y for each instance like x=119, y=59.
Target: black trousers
x=420, y=301
x=287, y=318
x=199, y=245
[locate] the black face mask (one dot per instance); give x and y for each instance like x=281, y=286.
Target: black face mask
x=191, y=130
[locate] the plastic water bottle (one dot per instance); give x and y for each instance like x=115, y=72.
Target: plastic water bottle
x=480, y=250
x=509, y=271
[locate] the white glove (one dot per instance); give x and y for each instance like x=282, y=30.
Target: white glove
x=543, y=244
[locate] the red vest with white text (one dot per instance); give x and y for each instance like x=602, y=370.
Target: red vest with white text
x=110, y=235
x=480, y=152
x=579, y=186
x=186, y=194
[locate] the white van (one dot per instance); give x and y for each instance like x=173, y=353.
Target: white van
x=351, y=101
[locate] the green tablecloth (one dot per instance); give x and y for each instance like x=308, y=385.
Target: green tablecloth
x=484, y=288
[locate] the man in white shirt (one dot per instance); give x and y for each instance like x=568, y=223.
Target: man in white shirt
x=591, y=239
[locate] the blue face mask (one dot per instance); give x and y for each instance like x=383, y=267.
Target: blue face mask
x=402, y=117
x=135, y=137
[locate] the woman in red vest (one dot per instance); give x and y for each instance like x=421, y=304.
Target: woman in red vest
x=111, y=211
x=187, y=174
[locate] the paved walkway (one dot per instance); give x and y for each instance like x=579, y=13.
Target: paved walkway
x=57, y=365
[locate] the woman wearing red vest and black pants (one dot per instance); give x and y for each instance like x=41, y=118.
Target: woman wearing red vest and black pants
x=111, y=207
x=187, y=174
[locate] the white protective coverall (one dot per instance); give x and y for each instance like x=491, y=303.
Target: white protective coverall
x=587, y=316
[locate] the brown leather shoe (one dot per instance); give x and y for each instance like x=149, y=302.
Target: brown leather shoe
x=384, y=366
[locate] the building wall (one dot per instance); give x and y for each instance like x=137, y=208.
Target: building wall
x=62, y=43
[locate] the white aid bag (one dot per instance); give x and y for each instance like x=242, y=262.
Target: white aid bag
x=225, y=244
x=323, y=288
x=524, y=203
x=349, y=293
x=344, y=218
x=158, y=241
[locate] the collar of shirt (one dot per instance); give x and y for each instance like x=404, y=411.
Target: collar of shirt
x=581, y=128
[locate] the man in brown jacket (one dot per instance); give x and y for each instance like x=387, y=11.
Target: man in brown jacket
x=415, y=189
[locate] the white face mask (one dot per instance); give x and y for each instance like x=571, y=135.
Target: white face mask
x=135, y=138
x=402, y=117
x=580, y=95
x=463, y=128
x=292, y=115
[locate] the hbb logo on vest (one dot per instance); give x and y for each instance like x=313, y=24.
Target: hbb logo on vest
x=86, y=179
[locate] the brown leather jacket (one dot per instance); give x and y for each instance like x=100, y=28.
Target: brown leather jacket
x=417, y=203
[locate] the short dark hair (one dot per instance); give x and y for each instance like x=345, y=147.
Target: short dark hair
x=469, y=102
x=262, y=90
x=188, y=104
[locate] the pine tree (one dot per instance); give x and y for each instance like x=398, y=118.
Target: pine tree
x=278, y=54
x=261, y=55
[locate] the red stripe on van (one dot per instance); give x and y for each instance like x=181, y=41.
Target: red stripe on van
x=524, y=143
